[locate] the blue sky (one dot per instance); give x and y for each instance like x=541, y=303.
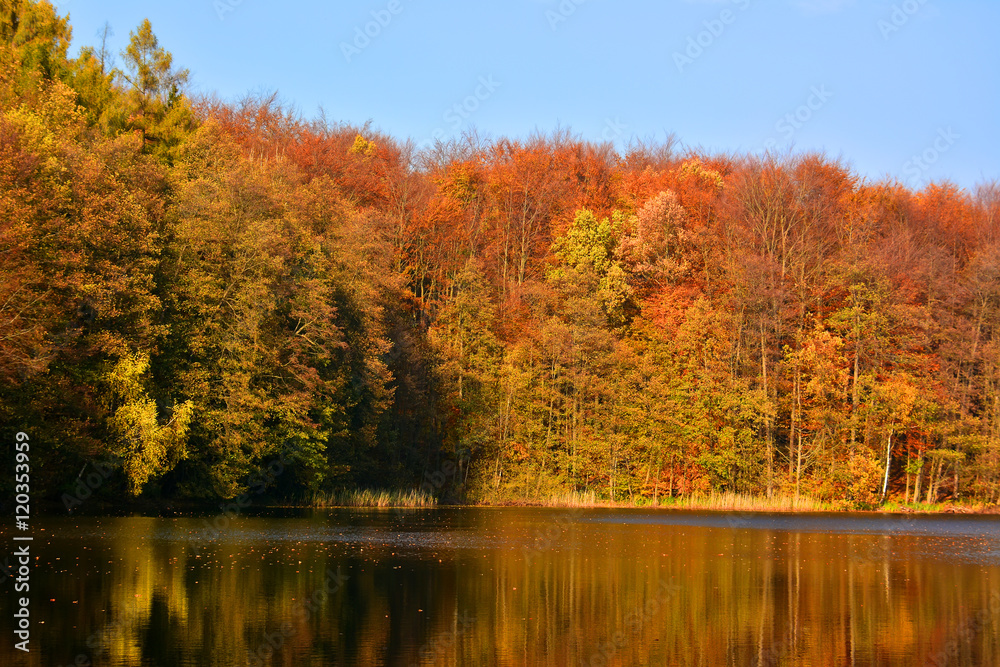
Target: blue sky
x=875, y=83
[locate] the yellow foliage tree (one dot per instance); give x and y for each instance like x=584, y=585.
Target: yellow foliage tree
x=146, y=446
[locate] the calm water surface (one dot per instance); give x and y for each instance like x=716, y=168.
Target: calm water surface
x=474, y=586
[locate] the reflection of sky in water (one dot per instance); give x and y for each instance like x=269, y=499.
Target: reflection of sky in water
x=861, y=538
x=801, y=523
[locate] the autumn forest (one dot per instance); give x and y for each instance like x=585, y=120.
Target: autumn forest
x=192, y=288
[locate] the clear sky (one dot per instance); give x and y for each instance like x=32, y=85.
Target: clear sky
x=876, y=83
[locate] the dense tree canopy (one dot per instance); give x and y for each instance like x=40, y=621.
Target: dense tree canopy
x=189, y=288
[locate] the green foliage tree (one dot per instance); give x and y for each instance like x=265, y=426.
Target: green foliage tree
x=157, y=107
x=33, y=44
x=470, y=361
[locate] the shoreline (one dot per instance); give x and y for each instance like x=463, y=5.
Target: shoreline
x=723, y=503
x=940, y=508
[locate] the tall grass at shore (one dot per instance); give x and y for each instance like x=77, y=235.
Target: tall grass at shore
x=720, y=502
x=713, y=501
x=744, y=503
x=959, y=507
x=373, y=498
x=735, y=502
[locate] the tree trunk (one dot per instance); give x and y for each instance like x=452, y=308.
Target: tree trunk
x=854, y=386
x=933, y=481
x=906, y=497
x=938, y=479
x=798, y=470
x=888, y=461
x=795, y=421
x=767, y=421
x=671, y=494
x=956, y=475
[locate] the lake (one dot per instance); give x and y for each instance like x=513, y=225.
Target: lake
x=511, y=586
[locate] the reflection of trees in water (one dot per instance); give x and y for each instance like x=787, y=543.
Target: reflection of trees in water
x=594, y=592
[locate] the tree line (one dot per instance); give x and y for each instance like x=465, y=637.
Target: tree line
x=190, y=286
